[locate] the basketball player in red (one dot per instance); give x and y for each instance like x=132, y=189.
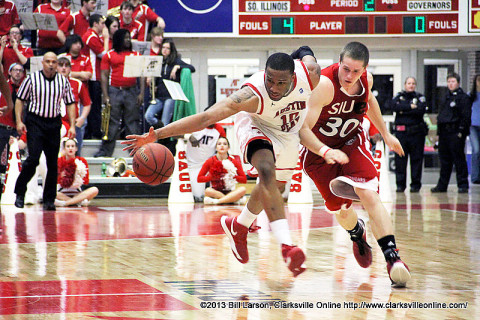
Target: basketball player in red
x=335, y=115
x=270, y=113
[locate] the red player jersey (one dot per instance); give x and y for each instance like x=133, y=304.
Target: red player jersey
x=338, y=123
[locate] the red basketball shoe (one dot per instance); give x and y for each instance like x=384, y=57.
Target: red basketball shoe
x=398, y=271
x=361, y=250
x=237, y=234
x=295, y=258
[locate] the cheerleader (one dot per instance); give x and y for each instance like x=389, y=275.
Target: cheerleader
x=223, y=171
x=72, y=174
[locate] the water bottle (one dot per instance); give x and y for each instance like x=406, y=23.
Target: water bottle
x=104, y=169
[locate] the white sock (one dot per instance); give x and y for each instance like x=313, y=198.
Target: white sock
x=246, y=218
x=281, y=231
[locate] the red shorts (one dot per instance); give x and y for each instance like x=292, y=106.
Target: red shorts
x=360, y=170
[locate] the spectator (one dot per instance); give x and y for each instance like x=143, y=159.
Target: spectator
x=121, y=92
x=127, y=21
x=81, y=66
x=48, y=40
x=144, y=13
x=82, y=98
x=223, y=171
x=7, y=123
x=172, y=64
x=156, y=42
x=200, y=146
x=453, y=123
x=16, y=76
x=77, y=23
x=72, y=175
x=410, y=129
x=8, y=16
x=475, y=130
x=113, y=24
x=11, y=50
x=96, y=41
x=45, y=89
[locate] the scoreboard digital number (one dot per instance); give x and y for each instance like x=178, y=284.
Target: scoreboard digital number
x=283, y=25
x=360, y=17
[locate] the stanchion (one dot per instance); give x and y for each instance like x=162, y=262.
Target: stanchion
x=14, y=167
x=381, y=163
x=180, y=186
x=300, y=189
x=34, y=190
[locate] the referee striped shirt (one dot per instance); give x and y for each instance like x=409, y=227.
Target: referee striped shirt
x=46, y=94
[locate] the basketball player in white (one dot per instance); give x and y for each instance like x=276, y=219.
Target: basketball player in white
x=271, y=109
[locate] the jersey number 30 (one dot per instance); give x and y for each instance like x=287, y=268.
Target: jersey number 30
x=338, y=127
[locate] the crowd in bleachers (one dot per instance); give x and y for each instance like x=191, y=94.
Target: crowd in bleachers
x=96, y=47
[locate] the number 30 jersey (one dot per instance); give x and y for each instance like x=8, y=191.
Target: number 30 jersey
x=288, y=114
x=338, y=124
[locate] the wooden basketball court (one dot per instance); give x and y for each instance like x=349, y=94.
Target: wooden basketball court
x=144, y=259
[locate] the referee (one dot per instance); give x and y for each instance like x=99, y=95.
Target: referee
x=45, y=89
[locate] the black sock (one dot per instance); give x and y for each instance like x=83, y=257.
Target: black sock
x=356, y=232
x=388, y=246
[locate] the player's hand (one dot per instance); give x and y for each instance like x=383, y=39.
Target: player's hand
x=336, y=156
x=136, y=141
x=394, y=145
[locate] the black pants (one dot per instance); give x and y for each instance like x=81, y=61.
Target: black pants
x=43, y=134
x=451, y=150
x=4, y=139
x=94, y=119
x=413, y=144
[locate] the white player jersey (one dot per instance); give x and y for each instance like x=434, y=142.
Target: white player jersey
x=288, y=114
x=207, y=146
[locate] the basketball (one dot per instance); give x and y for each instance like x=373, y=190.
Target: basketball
x=153, y=164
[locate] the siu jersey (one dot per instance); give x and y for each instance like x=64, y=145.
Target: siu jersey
x=288, y=114
x=338, y=124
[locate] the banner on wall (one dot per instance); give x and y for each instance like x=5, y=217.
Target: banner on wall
x=195, y=16
x=227, y=86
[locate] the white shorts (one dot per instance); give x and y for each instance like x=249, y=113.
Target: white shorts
x=285, y=145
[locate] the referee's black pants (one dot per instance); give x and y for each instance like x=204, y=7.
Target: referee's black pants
x=43, y=134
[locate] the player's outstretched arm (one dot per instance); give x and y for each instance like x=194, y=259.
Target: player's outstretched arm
x=241, y=100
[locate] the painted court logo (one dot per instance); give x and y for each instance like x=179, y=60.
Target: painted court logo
x=191, y=6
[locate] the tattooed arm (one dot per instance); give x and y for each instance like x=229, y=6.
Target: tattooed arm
x=242, y=100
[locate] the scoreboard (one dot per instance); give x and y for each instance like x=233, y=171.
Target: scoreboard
x=348, y=17
x=303, y=18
